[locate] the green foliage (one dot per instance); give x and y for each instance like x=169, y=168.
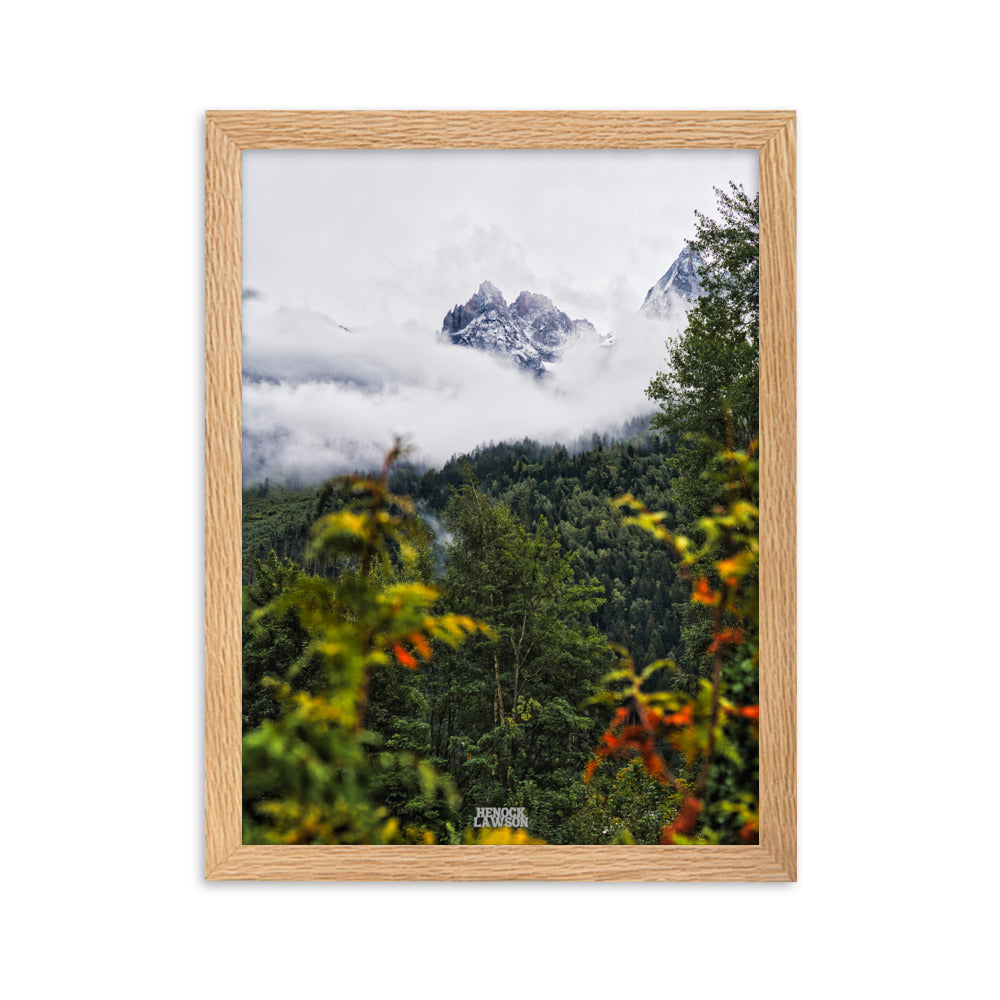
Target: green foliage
x=569, y=489
x=313, y=775
x=504, y=721
x=571, y=492
x=275, y=645
x=279, y=519
x=308, y=778
x=627, y=805
x=709, y=391
x=715, y=729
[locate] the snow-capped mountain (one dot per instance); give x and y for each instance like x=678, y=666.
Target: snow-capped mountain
x=677, y=289
x=530, y=330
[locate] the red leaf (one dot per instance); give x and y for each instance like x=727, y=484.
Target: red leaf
x=403, y=656
x=730, y=636
x=684, y=823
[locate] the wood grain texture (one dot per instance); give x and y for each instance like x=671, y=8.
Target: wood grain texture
x=223, y=496
x=229, y=132
x=778, y=498
x=499, y=129
x=481, y=864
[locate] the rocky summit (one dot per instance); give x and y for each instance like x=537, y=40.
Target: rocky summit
x=677, y=289
x=530, y=330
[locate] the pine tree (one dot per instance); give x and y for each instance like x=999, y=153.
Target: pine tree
x=709, y=390
x=505, y=709
x=708, y=393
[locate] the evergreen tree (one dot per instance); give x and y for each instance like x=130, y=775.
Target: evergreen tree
x=709, y=391
x=272, y=645
x=504, y=710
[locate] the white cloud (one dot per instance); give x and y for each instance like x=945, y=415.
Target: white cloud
x=336, y=399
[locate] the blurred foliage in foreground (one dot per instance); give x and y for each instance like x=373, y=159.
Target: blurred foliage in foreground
x=314, y=774
x=715, y=729
x=354, y=748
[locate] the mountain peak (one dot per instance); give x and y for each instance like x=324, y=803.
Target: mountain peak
x=490, y=293
x=677, y=289
x=531, y=330
x=487, y=297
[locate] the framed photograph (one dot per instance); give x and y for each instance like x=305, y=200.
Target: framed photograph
x=500, y=509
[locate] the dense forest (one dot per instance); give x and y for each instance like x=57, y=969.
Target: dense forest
x=567, y=631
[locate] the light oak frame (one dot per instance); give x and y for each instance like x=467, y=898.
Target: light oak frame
x=227, y=134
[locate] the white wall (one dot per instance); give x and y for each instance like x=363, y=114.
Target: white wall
x=102, y=269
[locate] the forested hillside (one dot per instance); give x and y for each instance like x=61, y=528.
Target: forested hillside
x=569, y=491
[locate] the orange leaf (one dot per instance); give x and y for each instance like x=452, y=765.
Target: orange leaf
x=728, y=569
x=653, y=762
x=751, y=712
x=403, y=656
x=703, y=593
x=684, y=823
x=731, y=636
x=422, y=646
x=682, y=718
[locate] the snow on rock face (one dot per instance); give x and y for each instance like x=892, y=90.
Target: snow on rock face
x=535, y=334
x=677, y=289
x=531, y=330
x=544, y=324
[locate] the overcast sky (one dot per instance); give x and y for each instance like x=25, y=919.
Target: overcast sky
x=385, y=242
x=387, y=236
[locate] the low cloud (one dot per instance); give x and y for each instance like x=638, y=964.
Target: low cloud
x=319, y=399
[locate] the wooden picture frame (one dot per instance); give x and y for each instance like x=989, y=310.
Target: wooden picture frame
x=228, y=133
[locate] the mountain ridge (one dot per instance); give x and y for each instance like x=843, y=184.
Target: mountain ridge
x=535, y=334
x=530, y=330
